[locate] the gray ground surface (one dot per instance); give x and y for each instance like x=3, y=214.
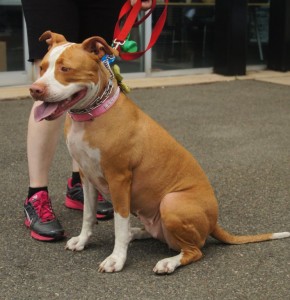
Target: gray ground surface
x=240, y=133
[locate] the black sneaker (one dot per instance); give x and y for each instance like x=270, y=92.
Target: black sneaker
x=40, y=218
x=75, y=199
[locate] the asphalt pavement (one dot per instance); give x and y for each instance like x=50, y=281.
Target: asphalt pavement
x=239, y=131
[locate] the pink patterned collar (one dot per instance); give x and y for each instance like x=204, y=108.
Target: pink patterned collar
x=97, y=111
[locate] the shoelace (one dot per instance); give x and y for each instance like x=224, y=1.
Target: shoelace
x=43, y=208
x=100, y=197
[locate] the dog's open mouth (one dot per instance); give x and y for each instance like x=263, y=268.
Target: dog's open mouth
x=52, y=110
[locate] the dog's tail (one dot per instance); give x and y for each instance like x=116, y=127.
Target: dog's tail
x=227, y=238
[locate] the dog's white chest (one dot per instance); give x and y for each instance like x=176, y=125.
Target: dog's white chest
x=88, y=159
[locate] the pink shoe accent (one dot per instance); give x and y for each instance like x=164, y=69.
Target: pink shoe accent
x=40, y=237
x=69, y=203
x=100, y=197
x=69, y=182
x=42, y=206
x=36, y=235
x=27, y=223
x=101, y=216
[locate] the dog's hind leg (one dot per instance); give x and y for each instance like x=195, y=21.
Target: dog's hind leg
x=79, y=242
x=169, y=264
x=139, y=234
x=185, y=226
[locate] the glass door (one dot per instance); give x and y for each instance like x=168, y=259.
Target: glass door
x=12, y=49
x=187, y=39
x=258, y=32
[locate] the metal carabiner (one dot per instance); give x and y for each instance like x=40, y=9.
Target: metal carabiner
x=117, y=44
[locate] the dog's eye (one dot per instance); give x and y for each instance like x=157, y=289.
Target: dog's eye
x=65, y=69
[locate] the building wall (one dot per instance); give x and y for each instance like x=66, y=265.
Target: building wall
x=221, y=36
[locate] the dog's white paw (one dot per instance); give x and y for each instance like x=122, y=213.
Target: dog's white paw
x=112, y=264
x=167, y=265
x=76, y=243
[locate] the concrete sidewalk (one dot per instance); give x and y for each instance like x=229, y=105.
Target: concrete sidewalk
x=239, y=132
x=22, y=92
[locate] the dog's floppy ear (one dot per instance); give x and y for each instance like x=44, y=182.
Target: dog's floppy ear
x=52, y=38
x=99, y=47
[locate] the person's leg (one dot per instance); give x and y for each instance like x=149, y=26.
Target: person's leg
x=58, y=16
x=42, y=138
x=99, y=18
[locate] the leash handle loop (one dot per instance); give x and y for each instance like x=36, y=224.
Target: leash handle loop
x=131, y=14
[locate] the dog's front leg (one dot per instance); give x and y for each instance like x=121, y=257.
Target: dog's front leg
x=120, y=192
x=117, y=259
x=79, y=242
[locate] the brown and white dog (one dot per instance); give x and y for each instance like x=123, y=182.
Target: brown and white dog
x=128, y=157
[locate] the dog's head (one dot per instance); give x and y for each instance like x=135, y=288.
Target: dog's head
x=71, y=75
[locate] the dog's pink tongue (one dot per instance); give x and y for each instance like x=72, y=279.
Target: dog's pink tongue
x=44, y=110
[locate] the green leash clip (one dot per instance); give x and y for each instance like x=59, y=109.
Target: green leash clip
x=129, y=46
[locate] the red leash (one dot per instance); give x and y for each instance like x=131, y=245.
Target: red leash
x=131, y=14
